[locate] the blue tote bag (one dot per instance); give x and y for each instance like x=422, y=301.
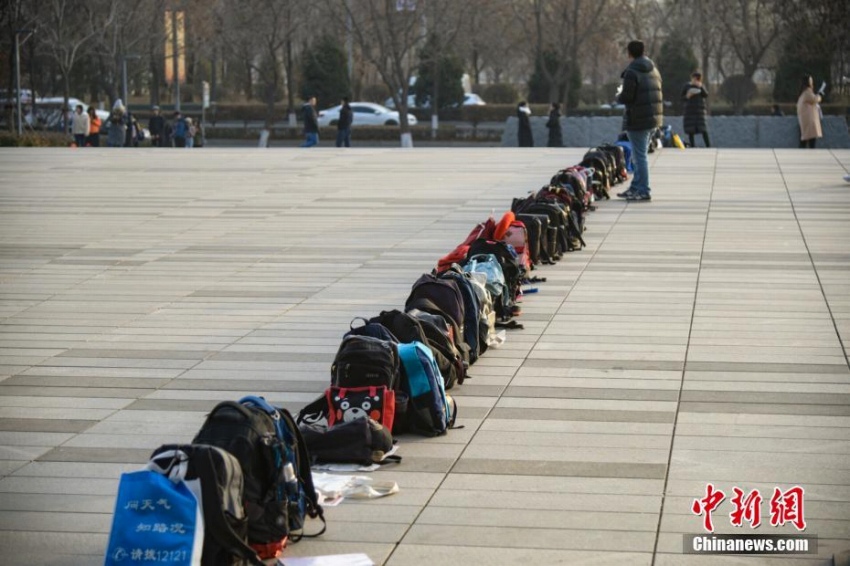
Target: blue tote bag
x=157, y=518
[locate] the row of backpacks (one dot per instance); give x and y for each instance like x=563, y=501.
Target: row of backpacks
x=243, y=488
x=391, y=372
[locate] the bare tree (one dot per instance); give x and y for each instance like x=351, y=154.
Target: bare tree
x=14, y=16
x=260, y=33
x=560, y=27
x=388, y=33
x=750, y=29
x=489, y=39
x=66, y=31
x=123, y=36
x=647, y=20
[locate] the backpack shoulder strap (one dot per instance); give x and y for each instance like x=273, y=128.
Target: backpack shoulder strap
x=417, y=379
x=304, y=472
x=215, y=523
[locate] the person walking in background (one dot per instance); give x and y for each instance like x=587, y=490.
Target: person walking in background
x=556, y=137
x=343, y=125
x=776, y=111
x=694, y=95
x=641, y=95
x=311, y=123
x=95, y=123
x=190, y=132
x=808, y=114
x=156, y=126
x=179, y=130
x=526, y=138
x=80, y=127
x=117, y=128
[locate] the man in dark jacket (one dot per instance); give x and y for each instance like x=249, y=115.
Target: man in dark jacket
x=311, y=123
x=641, y=94
x=694, y=121
x=156, y=125
x=343, y=125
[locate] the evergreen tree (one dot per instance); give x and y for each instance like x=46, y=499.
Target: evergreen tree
x=538, y=86
x=324, y=72
x=676, y=62
x=805, y=52
x=449, y=87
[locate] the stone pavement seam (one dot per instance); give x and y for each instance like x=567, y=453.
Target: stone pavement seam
x=505, y=388
x=811, y=259
x=684, y=367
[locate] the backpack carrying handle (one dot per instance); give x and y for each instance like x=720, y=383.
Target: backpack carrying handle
x=177, y=466
x=230, y=405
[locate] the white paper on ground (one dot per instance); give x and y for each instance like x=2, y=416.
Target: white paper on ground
x=355, y=487
x=330, y=560
x=344, y=468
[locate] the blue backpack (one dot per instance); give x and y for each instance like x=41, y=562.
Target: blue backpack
x=430, y=411
x=627, y=150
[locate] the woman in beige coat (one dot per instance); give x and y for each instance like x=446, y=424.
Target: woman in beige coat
x=808, y=113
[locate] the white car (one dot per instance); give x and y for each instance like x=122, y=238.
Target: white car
x=365, y=114
x=472, y=99
x=469, y=99
x=58, y=101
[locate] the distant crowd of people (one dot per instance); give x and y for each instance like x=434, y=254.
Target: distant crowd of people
x=122, y=128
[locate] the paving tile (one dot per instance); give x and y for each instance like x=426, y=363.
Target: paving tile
x=128, y=316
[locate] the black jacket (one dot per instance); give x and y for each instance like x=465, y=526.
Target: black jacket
x=526, y=138
x=311, y=125
x=556, y=138
x=346, y=116
x=642, y=96
x=693, y=121
x=156, y=125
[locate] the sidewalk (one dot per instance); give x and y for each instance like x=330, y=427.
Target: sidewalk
x=699, y=338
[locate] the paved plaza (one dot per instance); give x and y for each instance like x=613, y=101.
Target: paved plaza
x=698, y=338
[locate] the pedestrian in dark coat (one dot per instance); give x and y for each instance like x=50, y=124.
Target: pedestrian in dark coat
x=311, y=123
x=694, y=121
x=343, y=125
x=526, y=138
x=156, y=126
x=641, y=94
x=556, y=137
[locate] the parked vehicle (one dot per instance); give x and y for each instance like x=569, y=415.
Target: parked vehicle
x=365, y=114
x=469, y=99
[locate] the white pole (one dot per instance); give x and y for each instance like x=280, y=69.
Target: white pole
x=124, y=82
x=349, y=42
x=18, y=81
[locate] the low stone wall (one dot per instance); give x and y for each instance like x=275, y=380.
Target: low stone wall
x=725, y=131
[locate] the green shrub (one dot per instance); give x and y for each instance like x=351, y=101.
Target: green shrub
x=499, y=93
x=32, y=139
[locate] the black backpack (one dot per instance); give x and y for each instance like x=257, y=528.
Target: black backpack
x=442, y=297
x=408, y=328
x=471, y=311
x=220, y=476
x=437, y=332
x=279, y=491
x=373, y=329
x=364, y=361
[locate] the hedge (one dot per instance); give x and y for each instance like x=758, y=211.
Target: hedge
x=373, y=133
x=41, y=139
x=471, y=114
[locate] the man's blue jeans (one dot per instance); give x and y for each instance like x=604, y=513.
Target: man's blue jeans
x=343, y=137
x=310, y=139
x=640, y=147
